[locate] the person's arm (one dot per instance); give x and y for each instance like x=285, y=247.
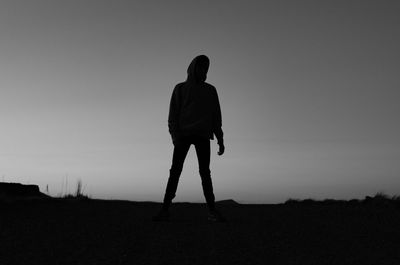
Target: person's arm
x=173, y=116
x=217, y=125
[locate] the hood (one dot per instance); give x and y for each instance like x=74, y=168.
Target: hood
x=198, y=68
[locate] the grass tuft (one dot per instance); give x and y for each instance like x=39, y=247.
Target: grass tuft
x=78, y=193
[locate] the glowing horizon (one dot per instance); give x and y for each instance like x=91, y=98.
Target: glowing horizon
x=308, y=95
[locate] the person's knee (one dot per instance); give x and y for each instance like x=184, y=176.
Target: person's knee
x=205, y=173
x=175, y=171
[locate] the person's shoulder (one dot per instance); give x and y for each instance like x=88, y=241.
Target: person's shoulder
x=179, y=86
x=181, y=83
x=209, y=86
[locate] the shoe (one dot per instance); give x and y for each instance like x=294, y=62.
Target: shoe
x=162, y=216
x=215, y=216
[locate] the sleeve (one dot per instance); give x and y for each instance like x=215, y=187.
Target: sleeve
x=173, y=116
x=217, y=120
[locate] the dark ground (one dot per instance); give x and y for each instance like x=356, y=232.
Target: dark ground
x=119, y=232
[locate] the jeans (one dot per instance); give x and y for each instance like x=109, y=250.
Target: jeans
x=181, y=148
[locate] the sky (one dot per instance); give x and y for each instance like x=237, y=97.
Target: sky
x=309, y=93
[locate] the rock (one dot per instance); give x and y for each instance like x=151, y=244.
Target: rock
x=17, y=190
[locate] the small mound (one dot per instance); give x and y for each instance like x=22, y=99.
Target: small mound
x=228, y=202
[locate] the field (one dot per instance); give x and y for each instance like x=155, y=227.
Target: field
x=63, y=231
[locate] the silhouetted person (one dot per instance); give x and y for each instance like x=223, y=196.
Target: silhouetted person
x=194, y=118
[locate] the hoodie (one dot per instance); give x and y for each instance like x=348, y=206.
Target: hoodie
x=194, y=107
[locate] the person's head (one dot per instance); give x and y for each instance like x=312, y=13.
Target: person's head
x=198, y=68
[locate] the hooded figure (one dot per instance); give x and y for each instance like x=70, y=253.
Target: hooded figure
x=198, y=68
x=194, y=107
x=194, y=118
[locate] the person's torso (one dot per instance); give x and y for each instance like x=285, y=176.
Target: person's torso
x=196, y=108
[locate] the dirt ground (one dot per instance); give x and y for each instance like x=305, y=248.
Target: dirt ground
x=120, y=232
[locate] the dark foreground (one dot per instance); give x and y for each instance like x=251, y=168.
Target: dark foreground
x=118, y=232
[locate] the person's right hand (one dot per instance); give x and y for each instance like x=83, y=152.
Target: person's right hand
x=221, y=149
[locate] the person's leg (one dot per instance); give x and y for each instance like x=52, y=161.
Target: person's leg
x=181, y=148
x=203, y=152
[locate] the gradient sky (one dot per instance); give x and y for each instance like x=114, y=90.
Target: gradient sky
x=309, y=92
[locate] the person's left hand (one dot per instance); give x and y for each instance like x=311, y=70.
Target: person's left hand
x=221, y=149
